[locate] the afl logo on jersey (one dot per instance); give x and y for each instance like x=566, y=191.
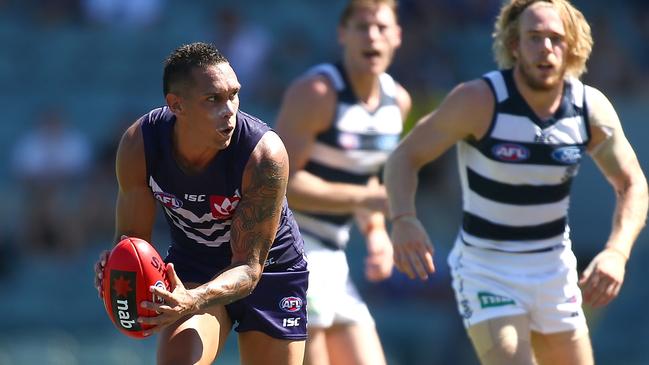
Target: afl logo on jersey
x=510, y=152
x=168, y=200
x=349, y=141
x=290, y=304
x=567, y=155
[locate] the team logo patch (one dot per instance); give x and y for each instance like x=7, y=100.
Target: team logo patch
x=510, y=152
x=290, y=304
x=387, y=142
x=223, y=207
x=168, y=200
x=567, y=155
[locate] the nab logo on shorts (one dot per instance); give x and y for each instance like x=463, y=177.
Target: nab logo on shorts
x=291, y=304
x=223, y=207
x=510, y=152
x=168, y=200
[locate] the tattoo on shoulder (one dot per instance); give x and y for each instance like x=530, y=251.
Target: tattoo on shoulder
x=261, y=205
x=266, y=188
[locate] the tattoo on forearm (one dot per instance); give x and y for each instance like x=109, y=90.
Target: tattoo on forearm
x=268, y=186
x=240, y=283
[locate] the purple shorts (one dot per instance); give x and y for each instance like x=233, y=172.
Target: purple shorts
x=276, y=307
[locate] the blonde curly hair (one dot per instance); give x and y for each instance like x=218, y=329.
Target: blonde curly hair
x=578, y=35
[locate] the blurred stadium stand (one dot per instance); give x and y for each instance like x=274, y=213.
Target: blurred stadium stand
x=98, y=73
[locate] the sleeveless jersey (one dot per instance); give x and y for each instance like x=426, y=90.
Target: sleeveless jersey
x=199, y=208
x=351, y=150
x=516, y=179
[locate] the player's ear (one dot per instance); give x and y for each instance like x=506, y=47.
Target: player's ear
x=397, y=36
x=513, y=48
x=174, y=102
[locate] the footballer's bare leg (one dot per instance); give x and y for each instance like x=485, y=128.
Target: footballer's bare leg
x=563, y=348
x=354, y=344
x=504, y=340
x=194, y=340
x=258, y=348
x=316, y=347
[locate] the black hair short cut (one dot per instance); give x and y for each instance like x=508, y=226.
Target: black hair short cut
x=179, y=64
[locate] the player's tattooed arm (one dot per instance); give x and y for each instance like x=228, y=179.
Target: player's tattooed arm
x=254, y=224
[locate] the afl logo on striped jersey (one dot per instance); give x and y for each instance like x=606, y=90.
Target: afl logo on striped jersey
x=349, y=141
x=510, y=152
x=567, y=155
x=168, y=200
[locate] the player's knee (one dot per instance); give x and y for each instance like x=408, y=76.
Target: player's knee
x=174, y=357
x=570, y=347
x=185, y=346
x=500, y=344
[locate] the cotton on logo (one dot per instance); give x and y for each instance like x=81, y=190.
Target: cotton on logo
x=223, y=207
x=510, y=152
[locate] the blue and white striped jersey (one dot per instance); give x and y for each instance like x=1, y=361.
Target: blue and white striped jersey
x=352, y=150
x=516, y=179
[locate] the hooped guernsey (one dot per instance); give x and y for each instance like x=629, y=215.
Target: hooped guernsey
x=516, y=179
x=352, y=150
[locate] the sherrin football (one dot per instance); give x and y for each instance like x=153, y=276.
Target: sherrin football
x=132, y=267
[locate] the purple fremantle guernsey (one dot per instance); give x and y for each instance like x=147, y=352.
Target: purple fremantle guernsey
x=199, y=209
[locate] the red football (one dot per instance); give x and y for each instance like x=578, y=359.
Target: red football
x=132, y=267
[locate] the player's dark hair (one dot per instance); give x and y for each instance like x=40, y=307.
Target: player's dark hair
x=178, y=66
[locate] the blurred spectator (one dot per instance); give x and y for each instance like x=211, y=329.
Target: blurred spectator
x=247, y=46
x=99, y=189
x=123, y=13
x=49, y=162
x=51, y=13
x=611, y=67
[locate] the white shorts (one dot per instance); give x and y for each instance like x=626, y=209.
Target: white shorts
x=332, y=298
x=490, y=284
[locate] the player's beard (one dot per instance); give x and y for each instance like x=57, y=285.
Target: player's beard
x=537, y=84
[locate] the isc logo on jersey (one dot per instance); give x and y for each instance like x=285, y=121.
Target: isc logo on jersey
x=510, y=152
x=567, y=155
x=290, y=304
x=168, y=200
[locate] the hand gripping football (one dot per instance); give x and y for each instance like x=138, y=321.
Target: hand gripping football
x=132, y=267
